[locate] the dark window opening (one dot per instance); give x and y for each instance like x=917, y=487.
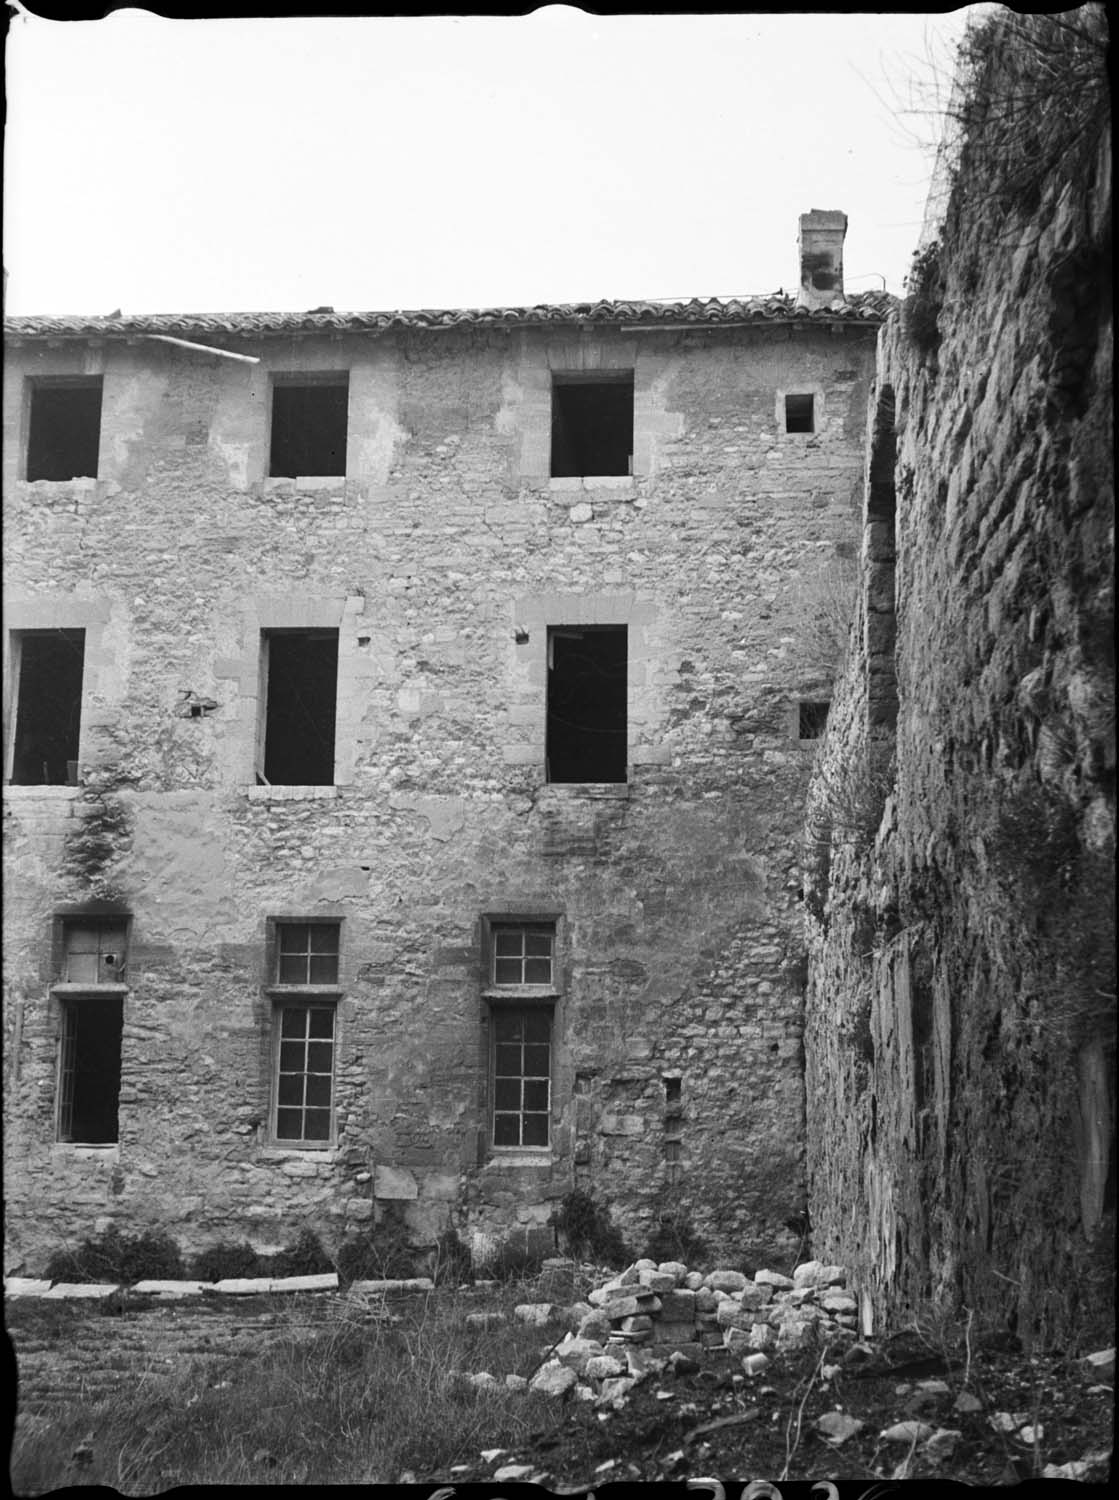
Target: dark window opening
x=64, y=437
x=592, y=425
x=48, y=707
x=89, y=1072
x=586, y=725
x=305, y=1073
x=522, y=1078
x=307, y=953
x=799, y=414
x=309, y=429
x=812, y=720
x=94, y=952
x=301, y=690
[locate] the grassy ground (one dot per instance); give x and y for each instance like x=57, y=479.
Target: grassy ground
x=329, y=1399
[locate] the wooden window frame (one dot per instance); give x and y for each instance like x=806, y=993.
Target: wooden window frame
x=307, y=997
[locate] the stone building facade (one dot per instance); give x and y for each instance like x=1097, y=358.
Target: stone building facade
x=407, y=724
x=960, y=1013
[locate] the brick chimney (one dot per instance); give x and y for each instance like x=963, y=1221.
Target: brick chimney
x=821, y=237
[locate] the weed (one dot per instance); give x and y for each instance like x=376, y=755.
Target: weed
x=588, y=1230
x=384, y=1253
x=676, y=1238
x=226, y=1261
x=453, y=1264
x=306, y=1257
x=114, y=1256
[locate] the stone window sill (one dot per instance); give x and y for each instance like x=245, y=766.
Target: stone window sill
x=291, y=793
x=31, y=793
x=108, y=1152
x=499, y=1159
x=328, y=1152
x=275, y=485
x=566, y=790
x=619, y=484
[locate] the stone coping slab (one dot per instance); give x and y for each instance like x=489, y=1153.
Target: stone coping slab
x=393, y=1284
x=170, y=1288
x=25, y=1286
x=64, y=1291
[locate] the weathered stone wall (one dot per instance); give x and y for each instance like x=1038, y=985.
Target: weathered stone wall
x=960, y=885
x=679, y=936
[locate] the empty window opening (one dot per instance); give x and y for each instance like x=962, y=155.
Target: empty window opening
x=812, y=719
x=305, y=1073
x=673, y=1098
x=307, y=953
x=48, y=665
x=523, y=955
x=800, y=414
x=586, y=721
x=94, y=952
x=300, y=691
x=89, y=1069
x=309, y=420
x=64, y=434
x=522, y=1078
x=592, y=424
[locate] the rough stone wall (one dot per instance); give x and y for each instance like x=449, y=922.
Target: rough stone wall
x=441, y=558
x=960, y=874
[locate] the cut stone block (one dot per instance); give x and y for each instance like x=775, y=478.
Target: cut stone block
x=243, y=1286
x=725, y=1281
x=393, y=1284
x=394, y=1183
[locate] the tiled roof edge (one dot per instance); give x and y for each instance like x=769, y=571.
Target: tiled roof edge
x=863, y=307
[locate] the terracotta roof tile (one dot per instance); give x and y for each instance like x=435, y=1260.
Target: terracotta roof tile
x=779, y=307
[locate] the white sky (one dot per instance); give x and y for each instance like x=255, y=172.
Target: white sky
x=272, y=164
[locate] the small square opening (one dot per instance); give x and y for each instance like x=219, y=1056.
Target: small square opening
x=800, y=414
x=592, y=424
x=812, y=719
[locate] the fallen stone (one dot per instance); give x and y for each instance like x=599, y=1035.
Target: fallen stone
x=637, y=1323
x=658, y=1281
x=1032, y=1433
x=839, y=1302
x=774, y=1279
x=604, y=1367
x=536, y=1313
x=553, y=1379
x=678, y=1306
x=575, y=1353
x=966, y=1402
x=596, y=1325
x=665, y=1332
x=644, y=1264
x=838, y=1426
x=755, y=1295
x=516, y=1382
x=79, y=1291
x=942, y=1444
x=907, y=1432
x=796, y=1335
x=572, y=1316
x=724, y=1281
x=491, y=1455
x=705, y=1300
x=813, y=1273
x=491, y=1319
x=754, y=1364
x=762, y=1336
x=615, y=1390
x=674, y=1268
x=508, y=1473
x=629, y=1307
x=736, y=1340
x=693, y=1280
x=1102, y=1363
x=482, y=1380
x=1008, y=1421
